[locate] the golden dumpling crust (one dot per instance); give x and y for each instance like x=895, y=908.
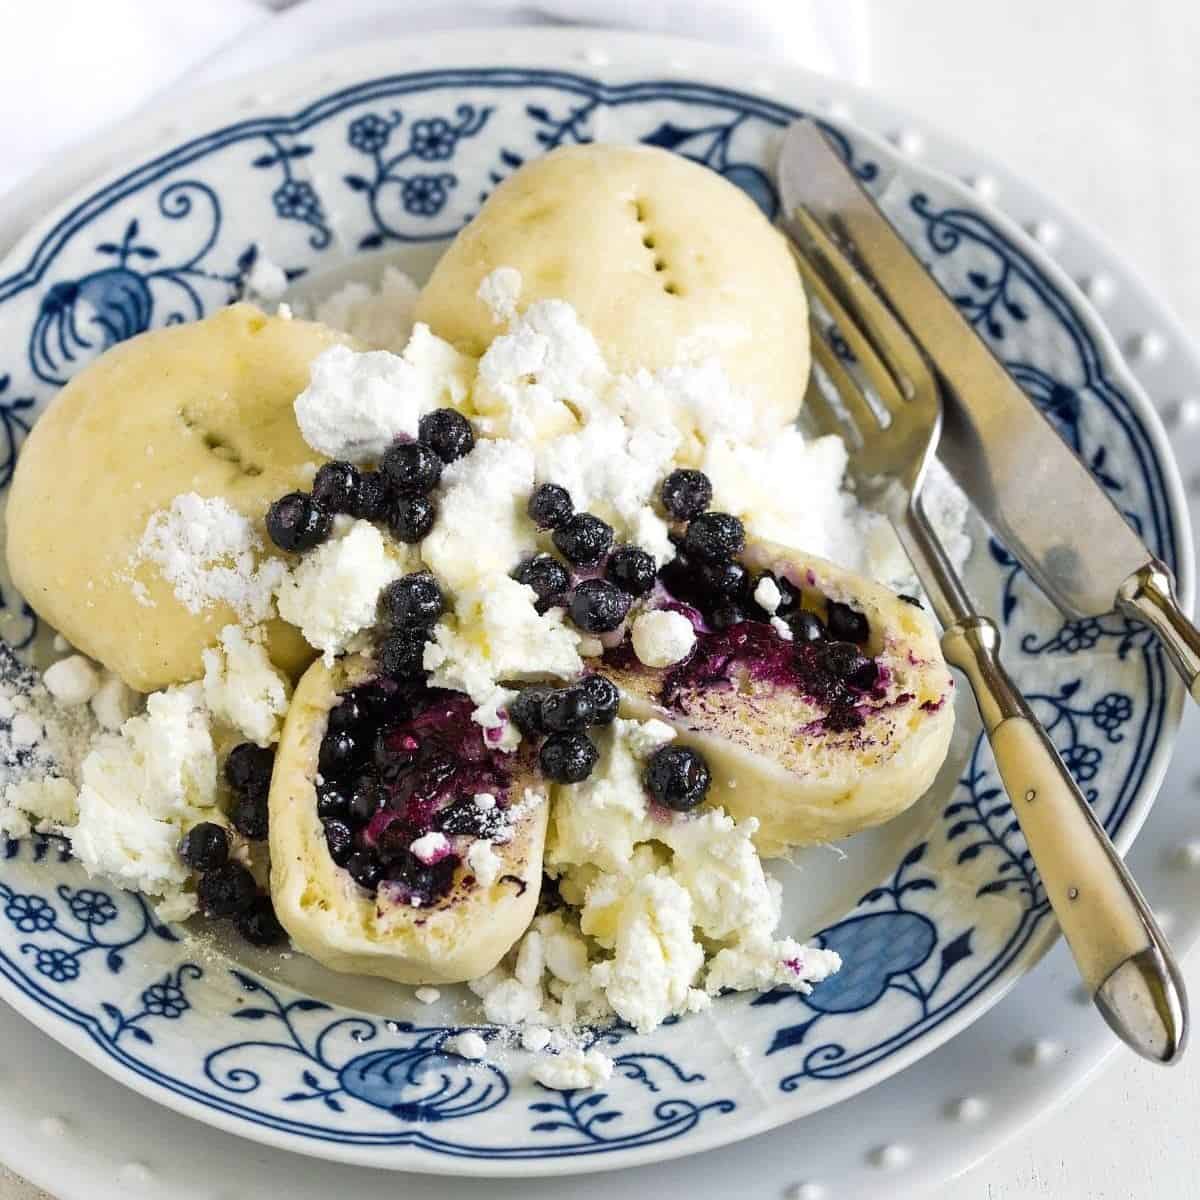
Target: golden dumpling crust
x=664, y=260
x=205, y=408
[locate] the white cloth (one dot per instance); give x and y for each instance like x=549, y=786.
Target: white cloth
x=71, y=67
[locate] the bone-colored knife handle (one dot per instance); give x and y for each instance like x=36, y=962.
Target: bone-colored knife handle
x=1122, y=955
x=1149, y=595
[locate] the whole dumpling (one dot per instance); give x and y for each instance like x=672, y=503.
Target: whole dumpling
x=664, y=260
x=204, y=408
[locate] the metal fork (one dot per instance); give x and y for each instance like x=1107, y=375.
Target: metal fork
x=894, y=424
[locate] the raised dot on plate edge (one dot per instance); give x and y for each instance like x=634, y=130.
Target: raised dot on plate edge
x=969, y=1108
x=1149, y=346
x=52, y=1126
x=891, y=1156
x=1099, y=289
x=804, y=1191
x=1038, y=1052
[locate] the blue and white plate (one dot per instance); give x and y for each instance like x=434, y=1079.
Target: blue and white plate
x=936, y=915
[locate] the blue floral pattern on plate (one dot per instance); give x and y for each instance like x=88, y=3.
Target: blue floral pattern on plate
x=407, y=159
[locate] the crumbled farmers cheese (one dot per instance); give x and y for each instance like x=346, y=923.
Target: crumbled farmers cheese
x=467, y=1044
x=431, y=847
x=500, y=291
x=332, y=593
x=72, y=681
x=573, y=1070
x=428, y=995
x=209, y=553
x=114, y=702
x=662, y=638
x=485, y=864
x=767, y=595
x=482, y=531
x=357, y=403
x=243, y=688
x=265, y=280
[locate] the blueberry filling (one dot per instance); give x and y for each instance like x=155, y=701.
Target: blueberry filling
x=568, y=757
x=567, y=710
x=296, y=522
x=248, y=769
x=604, y=697
x=226, y=890
x=372, y=498
x=401, y=655
x=249, y=817
x=714, y=537
x=425, y=760
x=846, y=624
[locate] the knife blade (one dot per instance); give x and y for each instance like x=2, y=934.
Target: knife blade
x=1028, y=484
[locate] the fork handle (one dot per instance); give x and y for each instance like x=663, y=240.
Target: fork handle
x=1149, y=595
x=1122, y=954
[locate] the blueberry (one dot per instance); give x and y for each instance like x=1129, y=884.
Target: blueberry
x=604, y=697
x=372, y=500
x=713, y=536
x=725, y=579
x=545, y=574
x=365, y=800
x=365, y=869
x=631, y=569
x=806, y=626
x=226, y=890
x=250, y=818
x=550, y=506
x=839, y=660
x=567, y=710
x=526, y=711
x=259, y=925
x=567, y=757
x=424, y=884
x=340, y=750
x=726, y=614
x=846, y=624
x=339, y=841
x=448, y=433
x=411, y=518
x=411, y=468
x=332, y=801
x=415, y=601
x=400, y=656
x=864, y=676
x=686, y=494
x=335, y=487
x=295, y=522
x=204, y=846
x=248, y=769
x=677, y=777
x=597, y=606
x=789, y=596
x=348, y=713
x=584, y=539
x=464, y=816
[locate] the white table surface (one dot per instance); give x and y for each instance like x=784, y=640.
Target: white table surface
x=1100, y=103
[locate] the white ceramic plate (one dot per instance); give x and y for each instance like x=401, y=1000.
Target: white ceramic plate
x=124, y=249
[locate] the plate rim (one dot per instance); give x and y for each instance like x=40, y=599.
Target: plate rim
x=721, y=67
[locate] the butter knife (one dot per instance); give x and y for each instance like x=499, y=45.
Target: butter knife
x=1040, y=499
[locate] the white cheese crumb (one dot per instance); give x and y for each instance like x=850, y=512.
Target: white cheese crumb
x=535, y=1038
x=662, y=638
x=243, y=688
x=428, y=995
x=590, y=647
x=72, y=681
x=49, y=802
x=331, y=595
x=485, y=801
x=500, y=291
x=782, y=628
x=431, y=847
x=114, y=702
x=357, y=403
x=266, y=280
x=767, y=595
x=466, y=1045
x=25, y=730
x=60, y=644
x=573, y=1069
x=484, y=862
x=209, y=553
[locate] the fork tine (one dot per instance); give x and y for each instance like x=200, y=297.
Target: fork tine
x=877, y=373
x=861, y=416
x=838, y=274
